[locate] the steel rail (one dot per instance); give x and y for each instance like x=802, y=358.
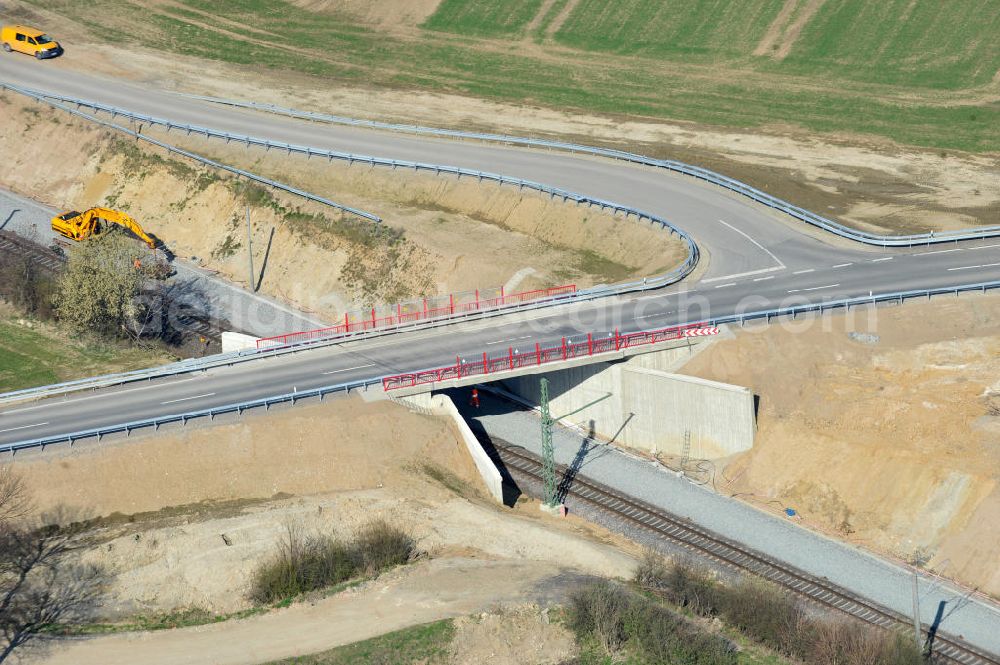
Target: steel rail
x=699, y=173
x=734, y=555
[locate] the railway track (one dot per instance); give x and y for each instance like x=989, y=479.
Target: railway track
x=733, y=555
x=52, y=263
x=45, y=258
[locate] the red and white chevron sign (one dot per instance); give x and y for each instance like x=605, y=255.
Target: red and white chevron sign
x=701, y=332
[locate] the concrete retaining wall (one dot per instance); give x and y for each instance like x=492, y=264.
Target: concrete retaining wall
x=441, y=405
x=642, y=406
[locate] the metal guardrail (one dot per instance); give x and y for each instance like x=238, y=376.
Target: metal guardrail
x=415, y=311
x=587, y=294
x=512, y=359
x=47, y=99
x=351, y=158
x=224, y=359
x=712, y=177
x=602, y=342
x=183, y=418
x=239, y=407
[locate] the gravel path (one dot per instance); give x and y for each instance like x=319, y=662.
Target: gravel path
x=198, y=288
x=861, y=572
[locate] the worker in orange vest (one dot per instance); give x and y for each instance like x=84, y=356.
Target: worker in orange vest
x=474, y=400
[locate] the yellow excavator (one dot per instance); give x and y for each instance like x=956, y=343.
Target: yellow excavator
x=82, y=225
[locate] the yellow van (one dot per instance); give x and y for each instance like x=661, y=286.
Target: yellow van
x=34, y=42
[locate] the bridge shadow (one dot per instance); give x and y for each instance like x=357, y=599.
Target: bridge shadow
x=488, y=406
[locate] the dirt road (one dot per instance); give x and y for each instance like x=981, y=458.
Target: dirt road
x=425, y=592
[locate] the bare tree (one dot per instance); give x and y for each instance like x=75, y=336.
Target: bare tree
x=42, y=582
x=15, y=501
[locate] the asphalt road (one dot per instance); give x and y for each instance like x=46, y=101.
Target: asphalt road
x=755, y=259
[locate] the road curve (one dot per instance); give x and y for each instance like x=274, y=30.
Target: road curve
x=756, y=259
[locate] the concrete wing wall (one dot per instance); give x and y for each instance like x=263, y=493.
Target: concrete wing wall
x=639, y=406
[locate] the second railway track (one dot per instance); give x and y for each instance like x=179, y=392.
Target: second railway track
x=733, y=555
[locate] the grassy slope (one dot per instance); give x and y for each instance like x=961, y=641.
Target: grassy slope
x=855, y=68
x=37, y=356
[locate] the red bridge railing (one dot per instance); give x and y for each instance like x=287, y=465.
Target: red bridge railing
x=436, y=307
x=513, y=359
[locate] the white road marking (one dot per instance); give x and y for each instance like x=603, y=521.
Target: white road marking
x=764, y=249
x=802, y=272
x=985, y=265
x=348, y=369
x=742, y=274
x=184, y=399
x=512, y=339
x=722, y=286
x=815, y=288
x=51, y=401
x=941, y=251
x=982, y=247
x=22, y=427
x=842, y=265
x=764, y=279
x=884, y=258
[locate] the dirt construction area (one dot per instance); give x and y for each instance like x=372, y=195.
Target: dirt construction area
x=883, y=431
x=180, y=521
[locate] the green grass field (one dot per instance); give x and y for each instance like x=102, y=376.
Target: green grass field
x=942, y=45
x=916, y=75
x=706, y=30
x=483, y=19
x=35, y=357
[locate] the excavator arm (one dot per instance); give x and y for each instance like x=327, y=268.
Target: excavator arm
x=121, y=219
x=80, y=226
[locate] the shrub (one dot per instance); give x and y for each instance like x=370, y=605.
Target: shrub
x=303, y=564
x=763, y=611
x=769, y=615
x=381, y=546
x=836, y=642
x=662, y=636
x=599, y=611
x=615, y=617
x=307, y=563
